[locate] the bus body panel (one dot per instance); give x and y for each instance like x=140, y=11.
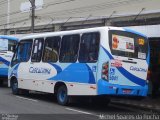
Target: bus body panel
x=125, y=78
x=129, y=79
x=43, y=77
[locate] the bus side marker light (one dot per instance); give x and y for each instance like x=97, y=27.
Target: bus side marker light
x=71, y=85
x=92, y=87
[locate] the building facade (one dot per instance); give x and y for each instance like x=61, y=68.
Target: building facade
x=54, y=15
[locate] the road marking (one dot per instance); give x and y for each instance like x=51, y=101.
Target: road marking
x=27, y=99
x=149, y=106
x=88, y=113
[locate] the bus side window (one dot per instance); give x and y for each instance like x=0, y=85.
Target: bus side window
x=51, y=49
x=89, y=47
x=69, y=48
x=37, y=50
x=23, y=52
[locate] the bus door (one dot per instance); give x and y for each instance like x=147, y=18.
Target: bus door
x=20, y=61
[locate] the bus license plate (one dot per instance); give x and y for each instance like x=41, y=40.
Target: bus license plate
x=126, y=91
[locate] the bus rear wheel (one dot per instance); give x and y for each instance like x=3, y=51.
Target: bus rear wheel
x=62, y=96
x=16, y=90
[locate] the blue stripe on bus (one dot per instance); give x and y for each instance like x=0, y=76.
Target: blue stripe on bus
x=133, y=31
x=148, y=57
x=58, y=68
x=4, y=61
x=72, y=74
x=8, y=37
x=4, y=72
x=128, y=75
x=91, y=75
x=14, y=70
x=131, y=77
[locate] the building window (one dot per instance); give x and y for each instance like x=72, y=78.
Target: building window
x=89, y=47
x=69, y=48
x=51, y=49
x=37, y=50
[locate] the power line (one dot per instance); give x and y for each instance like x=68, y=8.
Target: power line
x=15, y=22
x=56, y=3
x=80, y=9
x=84, y=9
x=4, y=2
x=53, y=19
x=139, y=14
x=45, y=6
x=92, y=8
x=12, y=13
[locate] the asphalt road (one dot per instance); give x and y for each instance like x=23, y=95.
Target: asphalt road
x=44, y=106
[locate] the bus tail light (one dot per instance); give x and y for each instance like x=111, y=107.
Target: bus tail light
x=148, y=75
x=105, y=68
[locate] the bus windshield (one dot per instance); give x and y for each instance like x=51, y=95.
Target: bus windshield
x=128, y=44
x=7, y=45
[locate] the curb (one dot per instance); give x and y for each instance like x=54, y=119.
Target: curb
x=143, y=106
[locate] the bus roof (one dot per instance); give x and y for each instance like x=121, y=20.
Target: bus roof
x=48, y=34
x=8, y=37
x=133, y=31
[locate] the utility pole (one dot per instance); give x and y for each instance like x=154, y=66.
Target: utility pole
x=33, y=14
x=8, y=15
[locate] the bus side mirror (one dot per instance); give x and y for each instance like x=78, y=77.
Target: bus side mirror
x=14, y=49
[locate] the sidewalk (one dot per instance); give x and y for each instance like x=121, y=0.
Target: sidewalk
x=147, y=103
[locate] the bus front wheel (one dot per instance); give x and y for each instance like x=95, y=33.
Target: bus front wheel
x=62, y=97
x=14, y=86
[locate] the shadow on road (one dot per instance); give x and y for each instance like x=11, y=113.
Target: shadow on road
x=82, y=103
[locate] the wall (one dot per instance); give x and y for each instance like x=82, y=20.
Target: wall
x=148, y=30
x=59, y=11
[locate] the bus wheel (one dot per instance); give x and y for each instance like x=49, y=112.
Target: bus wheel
x=62, y=97
x=14, y=87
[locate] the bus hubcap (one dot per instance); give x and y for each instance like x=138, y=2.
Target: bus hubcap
x=62, y=96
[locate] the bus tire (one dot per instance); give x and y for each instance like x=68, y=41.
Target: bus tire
x=62, y=96
x=14, y=87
